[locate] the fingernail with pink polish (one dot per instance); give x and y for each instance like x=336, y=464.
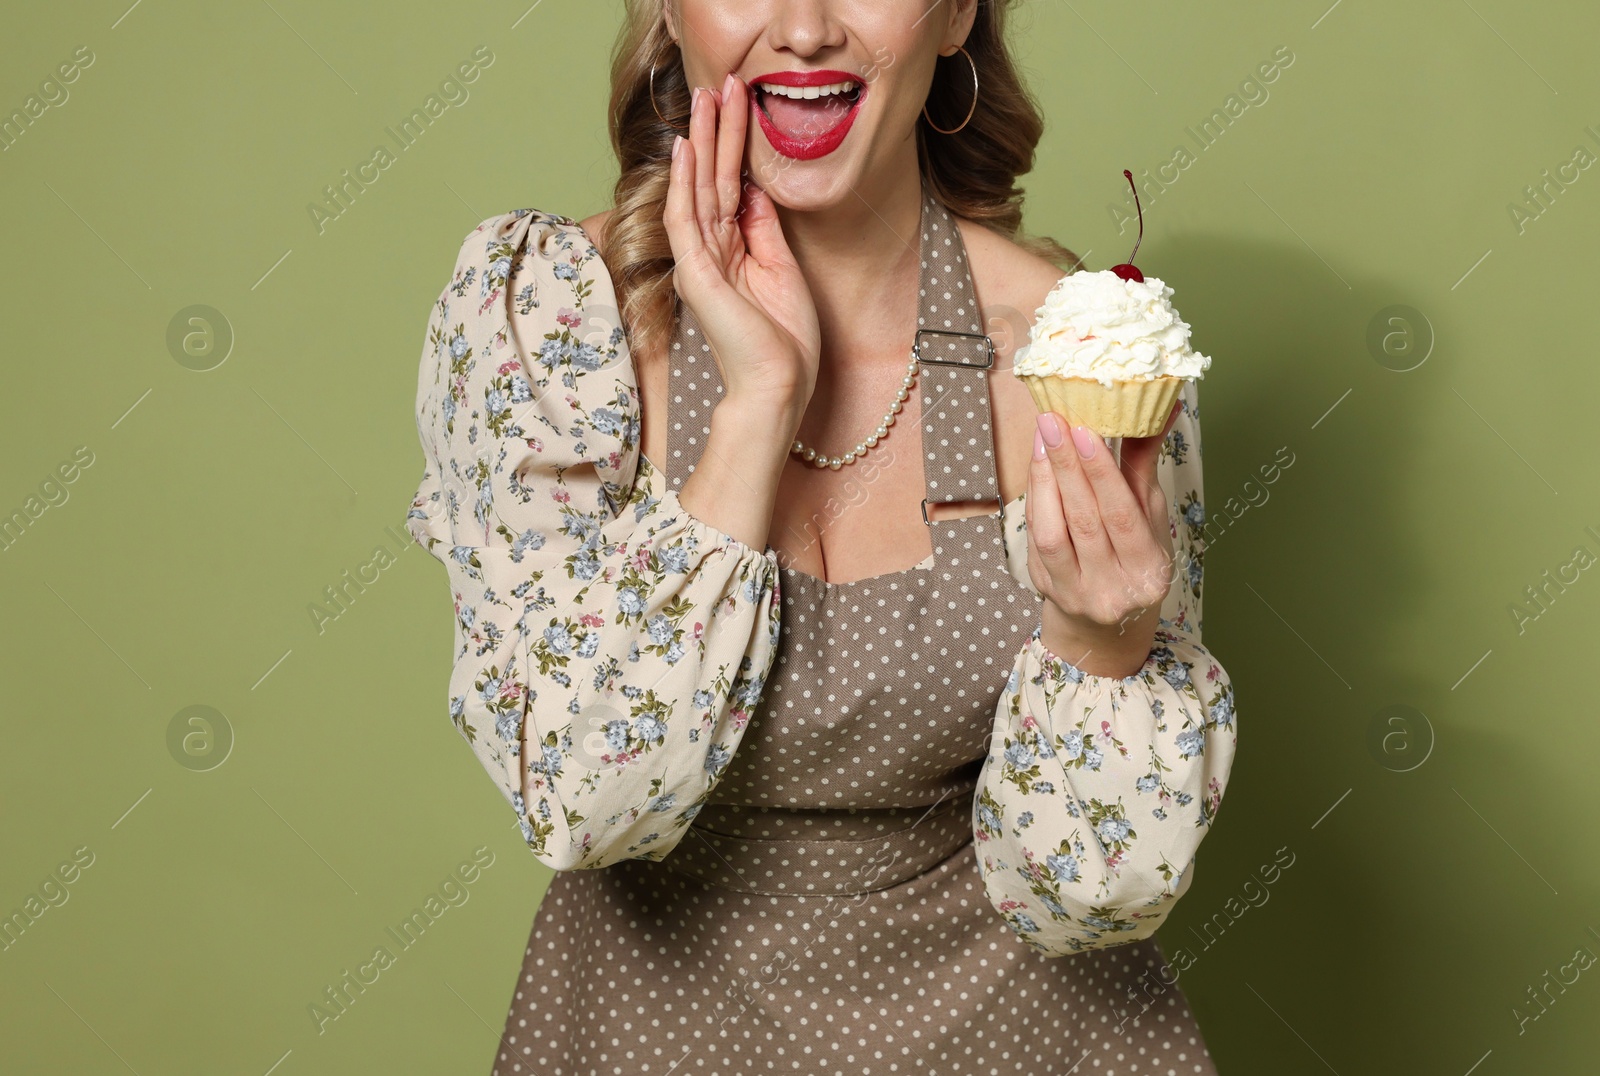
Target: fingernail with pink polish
x=1085, y=439
x=1050, y=429
x=1038, y=443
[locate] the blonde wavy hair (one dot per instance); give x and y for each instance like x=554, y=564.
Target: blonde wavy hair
x=973, y=172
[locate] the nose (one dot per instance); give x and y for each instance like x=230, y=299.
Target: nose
x=804, y=26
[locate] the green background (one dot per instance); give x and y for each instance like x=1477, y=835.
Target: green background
x=1436, y=876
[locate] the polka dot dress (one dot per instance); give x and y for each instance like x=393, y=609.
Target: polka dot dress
x=824, y=913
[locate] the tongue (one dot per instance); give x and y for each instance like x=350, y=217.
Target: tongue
x=805, y=119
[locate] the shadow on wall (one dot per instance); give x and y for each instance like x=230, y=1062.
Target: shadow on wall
x=1313, y=587
x=1319, y=546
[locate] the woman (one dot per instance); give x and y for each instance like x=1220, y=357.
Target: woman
x=876, y=765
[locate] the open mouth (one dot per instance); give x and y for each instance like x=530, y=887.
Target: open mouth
x=807, y=121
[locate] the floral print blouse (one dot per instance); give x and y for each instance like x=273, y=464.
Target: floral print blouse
x=610, y=648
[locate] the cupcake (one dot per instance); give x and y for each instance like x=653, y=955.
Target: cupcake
x=1108, y=351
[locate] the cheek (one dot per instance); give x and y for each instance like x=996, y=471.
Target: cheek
x=890, y=109
x=898, y=93
x=718, y=36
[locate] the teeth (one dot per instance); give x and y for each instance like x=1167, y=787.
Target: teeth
x=800, y=93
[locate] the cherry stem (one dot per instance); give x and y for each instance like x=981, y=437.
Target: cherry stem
x=1140, y=210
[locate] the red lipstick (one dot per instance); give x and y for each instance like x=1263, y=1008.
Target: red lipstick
x=805, y=149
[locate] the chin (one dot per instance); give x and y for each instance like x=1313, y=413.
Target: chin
x=807, y=186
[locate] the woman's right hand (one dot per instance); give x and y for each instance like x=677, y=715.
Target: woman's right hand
x=733, y=267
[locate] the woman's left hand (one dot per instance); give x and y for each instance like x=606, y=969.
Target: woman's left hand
x=1099, y=544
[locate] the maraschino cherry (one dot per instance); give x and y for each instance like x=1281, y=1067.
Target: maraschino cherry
x=1127, y=270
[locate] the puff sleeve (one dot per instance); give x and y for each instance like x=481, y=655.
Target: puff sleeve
x=1097, y=791
x=610, y=648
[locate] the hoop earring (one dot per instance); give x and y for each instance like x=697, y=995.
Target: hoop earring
x=970, y=110
x=657, y=107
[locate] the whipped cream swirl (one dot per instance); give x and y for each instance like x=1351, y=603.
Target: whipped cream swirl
x=1101, y=327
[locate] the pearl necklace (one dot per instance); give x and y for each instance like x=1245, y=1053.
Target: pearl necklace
x=811, y=455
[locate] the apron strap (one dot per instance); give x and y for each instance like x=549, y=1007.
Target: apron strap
x=956, y=357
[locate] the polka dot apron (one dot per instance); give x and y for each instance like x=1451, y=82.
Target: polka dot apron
x=824, y=913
